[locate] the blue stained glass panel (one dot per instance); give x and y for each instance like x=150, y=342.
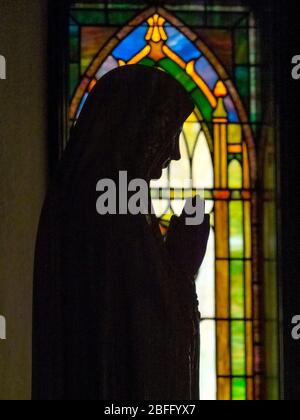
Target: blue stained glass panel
x=231, y=109
x=181, y=45
x=206, y=71
x=74, y=44
x=82, y=104
x=132, y=44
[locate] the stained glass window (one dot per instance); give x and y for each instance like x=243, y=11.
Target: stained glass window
x=213, y=51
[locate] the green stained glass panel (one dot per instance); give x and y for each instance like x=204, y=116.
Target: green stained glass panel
x=178, y=73
x=239, y=157
x=126, y=5
x=241, y=46
x=147, y=62
x=224, y=19
x=230, y=157
x=236, y=195
x=88, y=5
x=203, y=104
x=243, y=23
x=237, y=289
x=239, y=389
x=234, y=133
x=242, y=81
x=227, y=7
x=191, y=19
x=89, y=17
x=255, y=103
x=74, y=44
x=236, y=229
x=120, y=17
x=238, y=348
x=188, y=6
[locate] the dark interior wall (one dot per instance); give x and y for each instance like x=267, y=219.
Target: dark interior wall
x=22, y=180
x=286, y=45
x=268, y=205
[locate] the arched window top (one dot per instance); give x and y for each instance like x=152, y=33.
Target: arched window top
x=157, y=38
x=159, y=41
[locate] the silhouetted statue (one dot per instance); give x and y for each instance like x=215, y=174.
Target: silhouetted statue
x=115, y=306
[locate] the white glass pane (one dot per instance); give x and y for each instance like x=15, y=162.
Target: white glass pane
x=163, y=182
x=205, y=282
x=109, y=64
x=160, y=207
x=209, y=206
x=203, y=172
x=180, y=171
x=177, y=206
x=208, y=382
x=191, y=131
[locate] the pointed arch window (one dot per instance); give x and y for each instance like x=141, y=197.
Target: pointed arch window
x=213, y=51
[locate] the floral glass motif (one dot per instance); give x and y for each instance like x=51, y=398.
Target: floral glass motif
x=213, y=51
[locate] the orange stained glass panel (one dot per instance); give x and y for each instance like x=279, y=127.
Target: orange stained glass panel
x=224, y=389
x=221, y=225
x=223, y=340
x=222, y=288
